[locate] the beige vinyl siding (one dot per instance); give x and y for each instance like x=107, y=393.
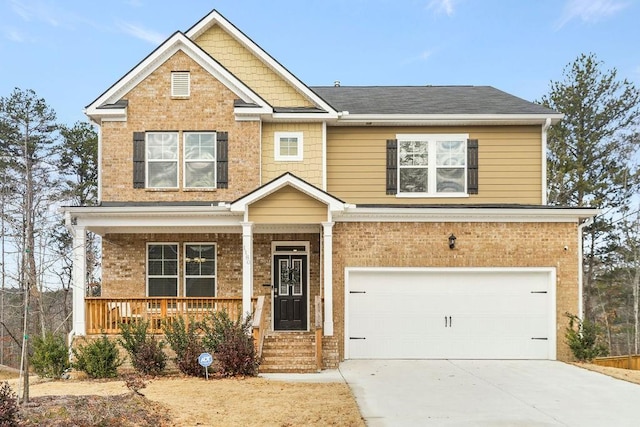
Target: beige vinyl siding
x=251, y=70
x=310, y=168
x=288, y=206
x=509, y=164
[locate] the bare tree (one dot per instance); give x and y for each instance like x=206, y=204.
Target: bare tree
x=27, y=140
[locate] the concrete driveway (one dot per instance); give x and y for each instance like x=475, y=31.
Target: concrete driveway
x=488, y=393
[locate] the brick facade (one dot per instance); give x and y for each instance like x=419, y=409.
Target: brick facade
x=151, y=108
x=477, y=245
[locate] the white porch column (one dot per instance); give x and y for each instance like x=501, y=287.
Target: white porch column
x=79, y=279
x=327, y=227
x=247, y=267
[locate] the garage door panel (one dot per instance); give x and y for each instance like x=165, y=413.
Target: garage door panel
x=448, y=314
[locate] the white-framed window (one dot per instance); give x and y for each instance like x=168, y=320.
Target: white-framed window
x=200, y=269
x=180, y=83
x=432, y=164
x=199, y=159
x=162, y=159
x=162, y=269
x=288, y=146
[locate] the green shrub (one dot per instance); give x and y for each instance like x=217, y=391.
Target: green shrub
x=186, y=343
x=8, y=406
x=231, y=343
x=583, y=338
x=50, y=356
x=99, y=359
x=145, y=351
x=216, y=327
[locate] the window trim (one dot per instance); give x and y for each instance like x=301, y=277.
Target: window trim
x=147, y=160
x=278, y=136
x=215, y=269
x=432, y=139
x=149, y=276
x=185, y=161
x=177, y=84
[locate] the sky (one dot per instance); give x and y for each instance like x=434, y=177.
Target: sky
x=70, y=51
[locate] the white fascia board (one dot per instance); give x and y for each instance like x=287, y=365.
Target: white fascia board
x=142, y=218
x=304, y=116
x=174, y=44
x=333, y=204
x=464, y=214
x=108, y=115
x=215, y=18
x=447, y=119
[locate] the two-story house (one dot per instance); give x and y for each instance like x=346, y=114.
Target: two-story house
x=362, y=222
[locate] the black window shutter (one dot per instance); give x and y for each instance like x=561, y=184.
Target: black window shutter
x=392, y=166
x=472, y=166
x=138, y=159
x=222, y=163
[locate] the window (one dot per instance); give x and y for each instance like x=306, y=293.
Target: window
x=199, y=160
x=288, y=146
x=432, y=164
x=200, y=270
x=162, y=269
x=180, y=83
x=162, y=159
x=205, y=160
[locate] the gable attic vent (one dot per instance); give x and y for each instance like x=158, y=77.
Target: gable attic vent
x=180, y=83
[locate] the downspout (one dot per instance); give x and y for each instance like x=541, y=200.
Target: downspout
x=587, y=222
x=260, y=155
x=99, y=164
x=324, y=156
x=545, y=128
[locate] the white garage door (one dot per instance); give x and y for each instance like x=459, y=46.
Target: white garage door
x=450, y=313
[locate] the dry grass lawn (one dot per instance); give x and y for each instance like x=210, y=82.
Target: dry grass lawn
x=186, y=401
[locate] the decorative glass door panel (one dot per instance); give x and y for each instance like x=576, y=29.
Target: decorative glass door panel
x=290, y=292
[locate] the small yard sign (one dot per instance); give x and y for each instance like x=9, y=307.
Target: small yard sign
x=205, y=360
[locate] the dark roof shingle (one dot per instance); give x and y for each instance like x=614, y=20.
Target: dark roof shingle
x=426, y=100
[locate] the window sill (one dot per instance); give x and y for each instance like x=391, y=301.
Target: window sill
x=161, y=190
x=180, y=97
x=191, y=190
x=431, y=196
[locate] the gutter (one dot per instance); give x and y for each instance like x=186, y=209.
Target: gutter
x=479, y=119
x=545, y=128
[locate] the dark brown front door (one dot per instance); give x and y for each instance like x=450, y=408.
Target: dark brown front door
x=290, y=292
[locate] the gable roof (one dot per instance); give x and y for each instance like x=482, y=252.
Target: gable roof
x=110, y=104
x=215, y=18
x=371, y=103
x=288, y=179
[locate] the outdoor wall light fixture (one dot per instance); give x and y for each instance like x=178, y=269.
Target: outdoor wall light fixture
x=452, y=241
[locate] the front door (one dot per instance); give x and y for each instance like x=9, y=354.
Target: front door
x=290, y=292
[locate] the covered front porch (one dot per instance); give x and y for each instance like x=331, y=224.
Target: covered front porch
x=262, y=255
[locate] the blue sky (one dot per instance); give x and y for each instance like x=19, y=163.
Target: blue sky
x=70, y=51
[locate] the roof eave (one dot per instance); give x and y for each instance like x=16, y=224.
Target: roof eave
x=466, y=214
x=446, y=119
x=98, y=115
